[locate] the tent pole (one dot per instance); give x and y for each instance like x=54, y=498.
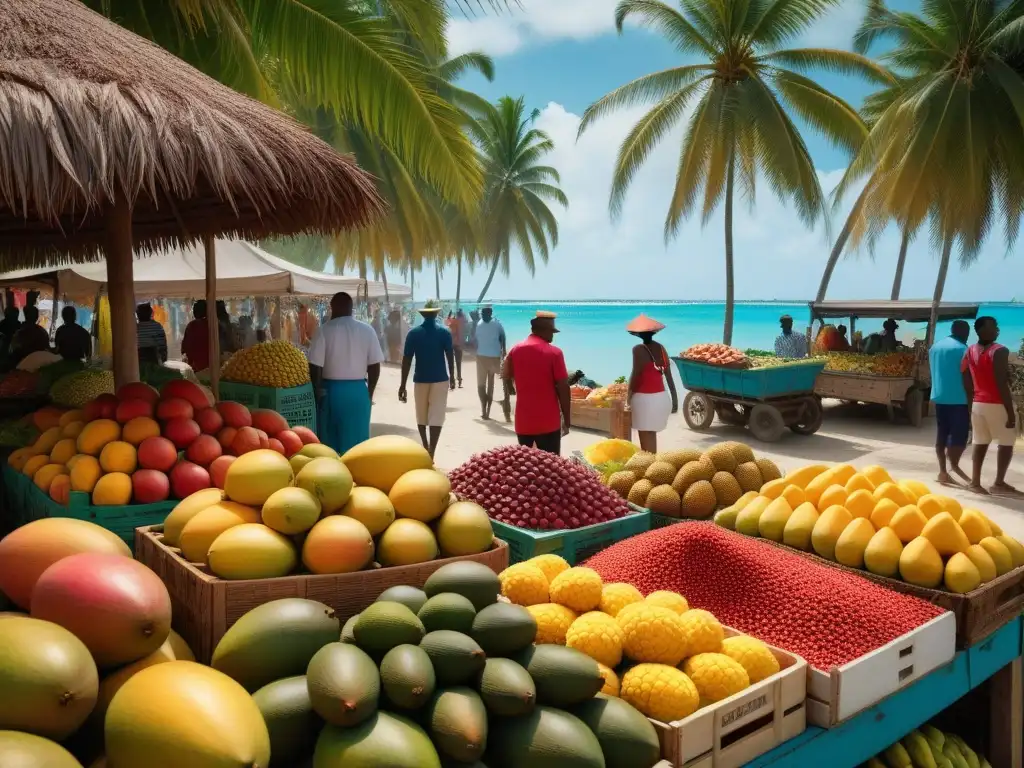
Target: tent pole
x=120, y=290
x=212, y=321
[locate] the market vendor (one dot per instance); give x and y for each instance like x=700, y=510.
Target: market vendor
x=789, y=344
x=73, y=342
x=886, y=341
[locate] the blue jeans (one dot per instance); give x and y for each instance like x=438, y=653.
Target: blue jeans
x=344, y=414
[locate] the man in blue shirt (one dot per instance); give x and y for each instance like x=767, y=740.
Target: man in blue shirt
x=952, y=411
x=490, y=351
x=430, y=344
x=789, y=344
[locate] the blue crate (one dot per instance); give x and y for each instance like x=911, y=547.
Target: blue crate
x=576, y=544
x=755, y=383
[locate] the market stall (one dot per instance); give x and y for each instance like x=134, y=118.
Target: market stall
x=896, y=380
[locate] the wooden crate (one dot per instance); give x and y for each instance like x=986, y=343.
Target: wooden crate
x=734, y=731
x=615, y=420
x=204, y=607
x=573, y=544
x=837, y=695
x=862, y=387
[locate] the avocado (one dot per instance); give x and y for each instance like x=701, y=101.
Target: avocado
x=457, y=722
x=411, y=597
x=348, y=630
x=384, y=740
x=291, y=721
x=456, y=657
x=448, y=611
x=275, y=640
x=627, y=738
x=407, y=676
x=384, y=625
x=507, y=688
x=503, y=629
x=467, y=578
x=545, y=738
x=344, y=684
x=563, y=676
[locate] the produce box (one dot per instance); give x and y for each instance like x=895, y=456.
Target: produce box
x=757, y=383
x=615, y=421
x=734, y=731
x=573, y=544
x=842, y=692
x=297, y=405
x=204, y=606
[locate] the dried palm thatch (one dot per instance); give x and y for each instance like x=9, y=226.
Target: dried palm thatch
x=90, y=111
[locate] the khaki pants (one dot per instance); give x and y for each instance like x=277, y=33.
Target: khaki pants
x=486, y=369
x=431, y=403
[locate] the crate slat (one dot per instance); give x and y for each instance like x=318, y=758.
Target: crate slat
x=576, y=544
x=297, y=404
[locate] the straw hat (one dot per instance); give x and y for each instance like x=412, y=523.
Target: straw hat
x=644, y=324
x=544, y=319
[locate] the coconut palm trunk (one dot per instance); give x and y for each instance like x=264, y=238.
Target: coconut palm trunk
x=384, y=278
x=412, y=285
x=940, y=285
x=730, y=285
x=437, y=282
x=897, y=282
x=490, y=277
x=458, y=279
x=837, y=249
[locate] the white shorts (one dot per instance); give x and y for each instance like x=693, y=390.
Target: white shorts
x=431, y=402
x=650, y=411
x=988, y=421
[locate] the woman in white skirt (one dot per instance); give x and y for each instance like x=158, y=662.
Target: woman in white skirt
x=649, y=401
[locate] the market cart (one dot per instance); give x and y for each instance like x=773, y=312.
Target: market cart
x=908, y=391
x=766, y=399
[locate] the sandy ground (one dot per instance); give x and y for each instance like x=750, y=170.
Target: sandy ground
x=858, y=435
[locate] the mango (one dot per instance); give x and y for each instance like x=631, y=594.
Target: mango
x=961, y=574
x=797, y=533
x=860, y=503
x=908, y=522
x=951, y=505
x=828, y=530
x=999, y=553
x=1015, y=548
x=819, y=485
x=974, y=525
x=859, y=482
x=946, y=535
x=930, y=505
x=982, y=561
x=894, y=493
x=883, y=512
x=801, y=477
x=882, y=555
x=996, y=530
x=747, y=519
x=774, y=488
x=772, y=521
x=795, y=495
x=833, y=495
x=853, y=541
x=921, y=564
x=876, y=474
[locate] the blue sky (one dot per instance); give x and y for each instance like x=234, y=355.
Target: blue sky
x=564, y=54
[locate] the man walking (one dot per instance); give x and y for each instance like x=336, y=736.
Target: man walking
x=344, y=364
x=457, y=327
x=430, y=344
x=490, y=350
x=986, y=377
x=535, y=372
x=952, y=414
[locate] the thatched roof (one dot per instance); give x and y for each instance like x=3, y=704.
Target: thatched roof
x=87, y=108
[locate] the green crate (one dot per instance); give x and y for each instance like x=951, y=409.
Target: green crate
x=297, y=404
x=663, y=521
x=575, y=545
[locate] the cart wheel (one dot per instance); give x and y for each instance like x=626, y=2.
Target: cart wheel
x=766, y=423
x=731, y=414
x=811, y=417
x=913, y=404
x=698, y=411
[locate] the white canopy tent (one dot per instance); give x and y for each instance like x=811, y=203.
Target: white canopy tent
x=243, y=269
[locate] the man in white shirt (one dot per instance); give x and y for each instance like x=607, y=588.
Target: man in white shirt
x=490, y=351
x=344, y=364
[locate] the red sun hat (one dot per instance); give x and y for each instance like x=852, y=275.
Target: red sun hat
x=644, y=324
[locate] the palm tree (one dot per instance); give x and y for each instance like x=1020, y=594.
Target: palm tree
x=517, y=188
x=948, y=150
x=740, y=127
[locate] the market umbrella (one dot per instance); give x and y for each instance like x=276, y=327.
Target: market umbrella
x=109, y=143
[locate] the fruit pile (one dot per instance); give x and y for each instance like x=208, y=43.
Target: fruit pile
x=822, y=613
x=928, y=747
x=641, y=645
x=603, y=397
x=279, y=364
x=529, y=488
x=578, y=392
x=19, y=384
x=74, y=390
x=612, y=449
x=689, y=483
x=866, y=520
x=770, y=361
x=94, y=619
x=888, y=364
x=446, y=675
x=716, y=354
x=326, y=515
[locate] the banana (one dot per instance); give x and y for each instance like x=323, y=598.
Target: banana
x=896, y=756
x=941, y=761
x=874, y=762
x=966, y=752
x=983, y=762
x=953, y=755
x=934, y=735
x=919, y=749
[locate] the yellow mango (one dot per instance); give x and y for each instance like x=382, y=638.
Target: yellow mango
x=828, y=530
x=834, y=494
x=974, y=525
x=774, y=488
x=860, y=503
x=747, y=519
x=795, y=495
x=882, y=514
x=921, y=564
x=893, y=492
x=799, y=527
x=982, y=561
x=999, y=553
x=882, y=555
x=773, y=520
x=961, y=574
x=930, y=505
x=946, y=535
x=853, y=541
x=908, y=523
x=1015, y=548
x=843, y=473
x=801, y=477
x=819, y=485
x=996, y=530
x=908, y=489
x=876, y=474
x=919, y=489
x=951, y=505
x=859, y=482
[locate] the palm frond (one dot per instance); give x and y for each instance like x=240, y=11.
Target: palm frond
x=831, y=60
x=656, y=15
x=655, y=86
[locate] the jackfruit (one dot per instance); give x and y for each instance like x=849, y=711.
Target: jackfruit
x=860, y=503
x=921, y=564
x=859, y=482
x=1015, y=548
x=772, y=521
x=1000, y=555
x=961, y=574
x=974, y=525
x=794, y=494
x=690, y=473
x=622, y=482
x=749, y=476
x=727, y=490
x=982, y=561
x=946, y=535
x=797, y=533
x=748, y=518
x=882, y=514
x=698, y=501
x=741, y=451
x=853, y=541
x=662, y=500
x=804, y=475
x=908, y=523
x=639, y=462
x=638, y=493
x=769, y=469
x=679, y=457
x=828, y=529
x=882, y=555
x=661, y=473
x=721, y=456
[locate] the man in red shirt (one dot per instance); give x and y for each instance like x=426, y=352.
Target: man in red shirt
x=535, y=372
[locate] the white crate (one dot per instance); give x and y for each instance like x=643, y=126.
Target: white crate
x=837, y=695
x=734, y=731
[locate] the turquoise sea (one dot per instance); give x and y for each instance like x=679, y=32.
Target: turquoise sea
x=594, y=339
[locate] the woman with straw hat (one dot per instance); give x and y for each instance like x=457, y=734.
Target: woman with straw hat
x=648, y=400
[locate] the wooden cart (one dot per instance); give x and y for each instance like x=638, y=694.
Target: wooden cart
x=910, y=394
